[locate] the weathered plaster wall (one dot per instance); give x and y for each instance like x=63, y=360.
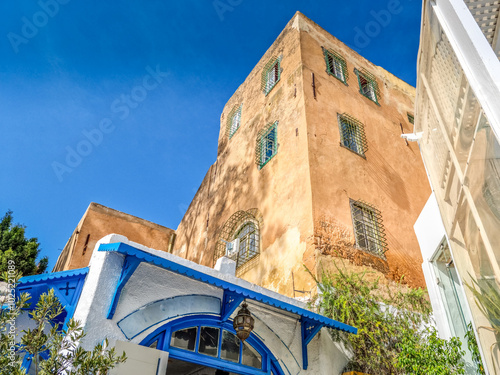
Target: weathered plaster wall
x=311, y=176
x=392, y=177
x=280, y=190
x=97, y=222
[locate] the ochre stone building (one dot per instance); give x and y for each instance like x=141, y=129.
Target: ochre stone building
x=311, y=139
x=99, y=221
x=309, y=146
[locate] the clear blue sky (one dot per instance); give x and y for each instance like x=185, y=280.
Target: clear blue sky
x=70, y=67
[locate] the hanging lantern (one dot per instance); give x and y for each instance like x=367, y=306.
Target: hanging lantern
x=243, y=323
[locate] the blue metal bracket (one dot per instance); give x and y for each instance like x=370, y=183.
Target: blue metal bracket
x=129, y=266
x=230, y=302
x=309, y=329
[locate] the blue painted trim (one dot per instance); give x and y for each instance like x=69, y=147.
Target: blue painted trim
x=170, y=265
x=28, y=360
x=269, y=362
x=52, y=276
x=129, y=266
x=230, y=302
x=39, y=284
x=309, y=329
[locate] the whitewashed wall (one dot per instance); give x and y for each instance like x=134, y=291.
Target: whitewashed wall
x=280, y=331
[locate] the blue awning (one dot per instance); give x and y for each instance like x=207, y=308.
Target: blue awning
x=234, y=294
x=67, y=287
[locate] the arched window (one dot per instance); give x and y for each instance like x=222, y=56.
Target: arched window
x=248, y=243
x=207, y=341
x=239, y=239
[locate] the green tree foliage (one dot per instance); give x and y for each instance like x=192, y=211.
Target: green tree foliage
x=392, y=338
x=474, y=349
x=15, y=246
x=428, y=354
x=64, y=354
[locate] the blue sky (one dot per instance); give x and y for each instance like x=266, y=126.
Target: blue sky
x=137, y=88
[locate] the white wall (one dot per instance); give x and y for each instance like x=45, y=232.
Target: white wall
x=279, y=330
x=430, y=232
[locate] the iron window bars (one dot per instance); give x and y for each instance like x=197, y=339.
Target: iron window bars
x=369, y=230
x=411, y=118
x=336, y=65
x=245, y=226
x=352, y=134
x=248, y=249
x=267, y=144
x=368, y=85
x=233, y=121
x=271, y=74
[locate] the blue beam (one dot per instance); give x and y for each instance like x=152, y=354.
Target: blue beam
x=129, y=266
x=309, y=329
x=230, y=302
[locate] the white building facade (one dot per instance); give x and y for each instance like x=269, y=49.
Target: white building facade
x=458, y=119
x=172, y=316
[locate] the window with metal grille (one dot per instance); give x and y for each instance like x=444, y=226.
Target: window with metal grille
x=239, y=240
x=271, y=74
x=248, y=249
x=368, y=85
x=335, y=65
x=352, y=134
x=233, y=121
x=368, y=228
x=267, y=144
x=411, y=118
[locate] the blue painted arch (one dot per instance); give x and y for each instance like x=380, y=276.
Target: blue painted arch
x=162, y=336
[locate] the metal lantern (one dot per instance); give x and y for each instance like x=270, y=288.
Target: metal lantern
x=243, y=322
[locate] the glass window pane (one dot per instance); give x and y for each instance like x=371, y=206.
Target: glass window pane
x=250, y=356
x=154, y=345
x=184, y=338
x=230, y=348
x=209, y=341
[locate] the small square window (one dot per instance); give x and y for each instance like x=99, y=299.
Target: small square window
x=335, y=65
x=368, y=85
x=271, y=75
x=368, y=228
x=267, y=144
x=233, y=121
x=352, y=134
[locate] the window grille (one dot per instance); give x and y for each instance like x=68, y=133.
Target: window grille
x=411, y=119
x=267, y=144
x=233, y=121
x=336, y=65
x=248, y=248
x=352, y=134
x=271, y=74
x=368, y=85
x=245, y=226
x=368, y=228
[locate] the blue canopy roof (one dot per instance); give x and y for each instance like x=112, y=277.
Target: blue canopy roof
x=234, y=293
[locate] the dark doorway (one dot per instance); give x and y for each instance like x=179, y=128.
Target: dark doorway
x=178, y=367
